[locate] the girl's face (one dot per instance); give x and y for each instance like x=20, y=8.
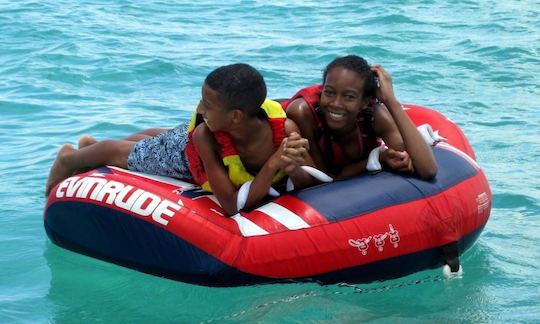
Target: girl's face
x=215, y=114
x=342, y=99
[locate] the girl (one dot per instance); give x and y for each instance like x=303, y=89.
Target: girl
x=343, y=124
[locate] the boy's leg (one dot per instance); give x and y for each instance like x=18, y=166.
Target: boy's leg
x=69, y=160
x=163, y=154
x=86, y=140
x=144, y=134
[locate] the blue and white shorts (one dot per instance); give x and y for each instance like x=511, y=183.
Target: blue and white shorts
x=162, y=154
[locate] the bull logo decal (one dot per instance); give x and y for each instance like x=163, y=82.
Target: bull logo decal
x=362, y=244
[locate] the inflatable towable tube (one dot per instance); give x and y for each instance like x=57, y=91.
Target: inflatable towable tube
x=371, y=227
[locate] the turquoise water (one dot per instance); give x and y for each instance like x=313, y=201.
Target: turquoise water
x=110, y=68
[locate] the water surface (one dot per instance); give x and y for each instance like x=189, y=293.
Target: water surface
x=110, y=68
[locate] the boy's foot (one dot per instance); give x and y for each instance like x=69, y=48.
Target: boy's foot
x=59, y=171
x=86, y=140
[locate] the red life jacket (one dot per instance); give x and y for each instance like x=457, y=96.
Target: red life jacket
x=236, y=169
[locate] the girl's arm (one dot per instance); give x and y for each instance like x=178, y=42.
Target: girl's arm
x=296, y=154
x=419, y=152
x=299, y=112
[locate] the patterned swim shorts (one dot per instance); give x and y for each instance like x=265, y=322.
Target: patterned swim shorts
x=162, y=154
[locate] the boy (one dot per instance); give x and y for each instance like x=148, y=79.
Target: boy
x=237, y=138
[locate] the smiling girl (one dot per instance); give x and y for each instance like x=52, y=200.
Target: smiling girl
x=344, y=124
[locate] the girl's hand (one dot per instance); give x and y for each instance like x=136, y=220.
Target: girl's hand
x=385, y=91
x=295, y=141
x=294, y=149
x=398, y=161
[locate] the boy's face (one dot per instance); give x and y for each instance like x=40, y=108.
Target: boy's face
x=216, y=116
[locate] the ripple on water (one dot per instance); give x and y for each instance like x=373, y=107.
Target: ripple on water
x=500, y=123
x=516, y=201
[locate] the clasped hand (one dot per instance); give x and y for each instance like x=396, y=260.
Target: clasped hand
x=293, y=152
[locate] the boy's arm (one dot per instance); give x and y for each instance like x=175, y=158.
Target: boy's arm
x=216, y=172
x=222, y=187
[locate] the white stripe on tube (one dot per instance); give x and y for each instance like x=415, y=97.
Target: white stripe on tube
x=247, y=227
x=283, y=216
